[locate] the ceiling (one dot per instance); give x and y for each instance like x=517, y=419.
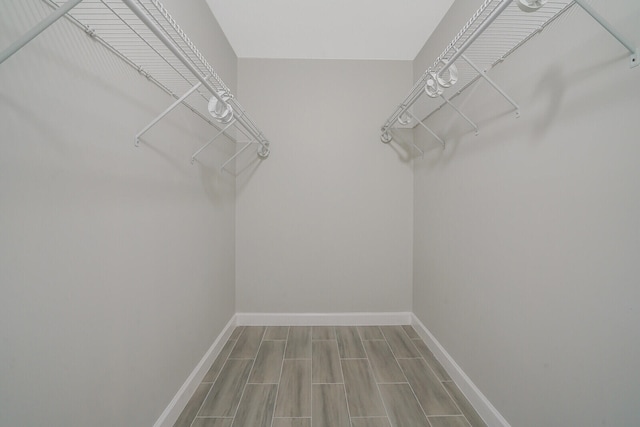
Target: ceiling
x=328, y=29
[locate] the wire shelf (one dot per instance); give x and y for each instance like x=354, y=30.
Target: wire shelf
x=115, y=25
x=482, y=45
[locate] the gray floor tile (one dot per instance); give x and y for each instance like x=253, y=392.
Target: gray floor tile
x=225, y=393
x=411, y=333
x=456, y=421
x=431, y=360
x=329, y=406
x=384, y=365
x=367, y=367
x=248, y=343
x=191, y=410
x=298, y=343
x=399, y=342
x=212, y=422
x=276, y=333
x=294, y=394
x=217, y=365
x=468, y=410
x=268, y=362
x=370, y=422
x=257, y=405
x=402, y=406
x=324, y=333
x=430, y=392
x=292, y=422
x=349, y=343
x=236, y=332
x=326, y=362
x=370, y=333
x=363, y=397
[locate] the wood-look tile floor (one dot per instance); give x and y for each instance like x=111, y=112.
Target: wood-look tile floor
x=325, y=376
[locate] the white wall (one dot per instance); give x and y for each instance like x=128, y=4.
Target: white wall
x=325, y=224
x=116, y=263
x=527, y=237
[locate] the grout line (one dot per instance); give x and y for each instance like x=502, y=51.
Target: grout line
x=436, y=376
x=371, y=416
x=374, y=377
x=405, y=375
x=346, y=400
x=447, y=415
x=223, y=418
x=311, y=373
x=216, y=379
x=249, y=376
x=280, y=377
x=292, y=418
x=454, y=400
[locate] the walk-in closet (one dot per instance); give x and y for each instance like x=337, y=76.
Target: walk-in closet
x=303, y=213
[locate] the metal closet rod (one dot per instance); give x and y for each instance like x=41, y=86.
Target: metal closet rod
x=418, y=89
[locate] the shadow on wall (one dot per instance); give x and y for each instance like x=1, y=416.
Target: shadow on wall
x=403, y=145
x=246, y=172
x=549, y=91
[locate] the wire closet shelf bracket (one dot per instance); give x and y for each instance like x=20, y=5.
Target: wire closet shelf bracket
x=495, y=30
x=148, y=38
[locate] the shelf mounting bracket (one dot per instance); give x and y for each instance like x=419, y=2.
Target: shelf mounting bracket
x=634, y=61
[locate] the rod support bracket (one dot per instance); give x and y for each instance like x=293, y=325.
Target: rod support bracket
x=634, y=60
x=263, y=151
x=386, y=137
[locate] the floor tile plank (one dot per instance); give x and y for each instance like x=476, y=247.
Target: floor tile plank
x=294, y=394
x=217, y=365
x=363, y=397
x=431, y=360
x=411, y=333
x=257, y=405
x=248, y=343
x=349, y=343
x=276, y=333
x=292, y=422
x=399, y=342
x=370, y=333
x=236, y=332
x=324, y=333
x=458, y=421
x=212, y=422
x=224, y=397
x=329, y=406
x=402, y=406
x=430, y=392
x=325, y=362
x=468, y=410
x=298, y=343
x=268, y=363
x=384, y=365
x=370, y=422
x=191, y=410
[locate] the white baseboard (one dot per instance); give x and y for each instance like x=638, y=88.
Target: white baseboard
x=180, y=400
x=322, y=319
x=485, y=409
